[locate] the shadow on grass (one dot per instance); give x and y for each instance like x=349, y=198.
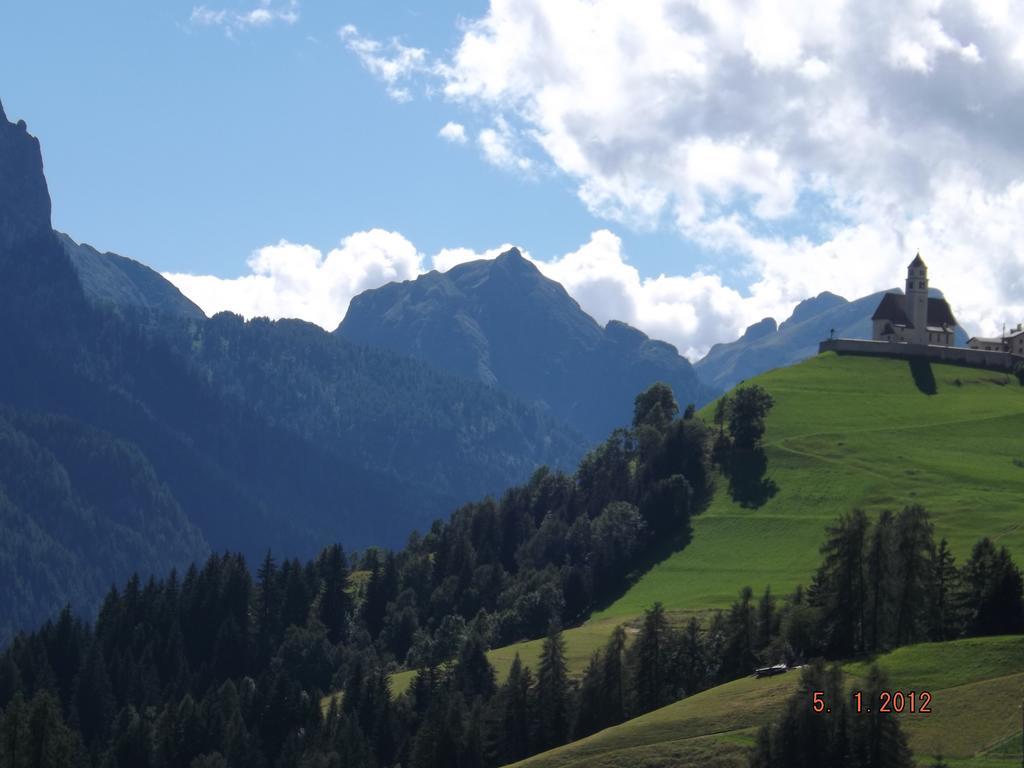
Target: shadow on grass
x=749, y=485
x=662, y=549
x=924, y=377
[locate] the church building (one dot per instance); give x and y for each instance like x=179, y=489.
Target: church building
x=914, y=317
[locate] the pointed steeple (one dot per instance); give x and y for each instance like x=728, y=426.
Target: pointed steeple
x=918, y=261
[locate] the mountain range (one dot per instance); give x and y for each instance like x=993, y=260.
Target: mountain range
x=501, y=322
x=766, y=345
x=247, y=435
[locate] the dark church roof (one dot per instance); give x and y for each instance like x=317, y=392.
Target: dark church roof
x=918, y=261
x=892, y=309
x=939, y=313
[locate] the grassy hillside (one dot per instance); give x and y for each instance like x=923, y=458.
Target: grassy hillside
x=848, y=432
x=976, y=686
x=845, y=432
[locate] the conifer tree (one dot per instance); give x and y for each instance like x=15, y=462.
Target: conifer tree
x=516, y=717
x=879, y=565
x=652, y=653
x=334, y=602
x=268, y=604
x=914, y=555
x=838, y=587
x=473, y=675
x=946, y=606
x=553, y=713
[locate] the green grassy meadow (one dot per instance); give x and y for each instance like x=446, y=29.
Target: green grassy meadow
x=977, y=686
x=845, y=432
x=851, y=432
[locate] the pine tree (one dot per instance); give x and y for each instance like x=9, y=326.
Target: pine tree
x=692, y=660
x=590, y=714
x=880, y=582
x=335, y=606
x=652, y=653
x=915, y=547
x=473, y=675
x=613, y=683
x=878, y=741
x=767, y=621
x=516, y=716
x=268, y=606
x=838, y=587
x=946, y=607
x=552, y=692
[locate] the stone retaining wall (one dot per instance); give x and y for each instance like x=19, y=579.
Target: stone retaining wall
x=977, y=358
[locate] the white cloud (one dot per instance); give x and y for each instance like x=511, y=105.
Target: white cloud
x=268, y=12
x=803, y=147
x=393, y=63
x=453, y=132
x=292, y=280
x=499, y=145
x=447, y=258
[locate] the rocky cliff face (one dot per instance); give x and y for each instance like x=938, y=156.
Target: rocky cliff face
x=24, y=198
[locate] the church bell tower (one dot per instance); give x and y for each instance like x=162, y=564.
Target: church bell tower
x=917, y=299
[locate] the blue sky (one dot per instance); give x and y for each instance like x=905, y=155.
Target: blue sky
x=686, y=167
x=187, y=149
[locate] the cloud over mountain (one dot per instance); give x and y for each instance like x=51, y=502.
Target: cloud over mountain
x=801, y=148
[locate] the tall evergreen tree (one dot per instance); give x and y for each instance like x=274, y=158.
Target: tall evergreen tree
x=993, y=587
x=268, y=604
x=553, y=695
x=946, y=606
x=473, y=675
x=334, y=605
x=652, y=653
x=914, y=556
x=613, y=679
x=838, y=587
x=879, y=567
x=515, y=720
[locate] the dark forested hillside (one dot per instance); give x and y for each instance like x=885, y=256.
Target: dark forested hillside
x=226, y=666
x=449, y=439
x=505, y=324
x=79, y=510
x=258, y=433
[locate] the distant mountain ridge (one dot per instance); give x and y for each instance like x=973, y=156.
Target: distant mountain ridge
x=503, y=323
x=766, y=345
x=115, y=280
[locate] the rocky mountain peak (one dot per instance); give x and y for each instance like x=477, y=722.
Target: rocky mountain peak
x=761, y=328
x=24, y=197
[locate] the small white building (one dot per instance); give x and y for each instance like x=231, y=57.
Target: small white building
x=1012, y=342
x=914, y=317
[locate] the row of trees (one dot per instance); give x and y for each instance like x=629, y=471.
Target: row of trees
x=888, y=583
x=840, y=737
